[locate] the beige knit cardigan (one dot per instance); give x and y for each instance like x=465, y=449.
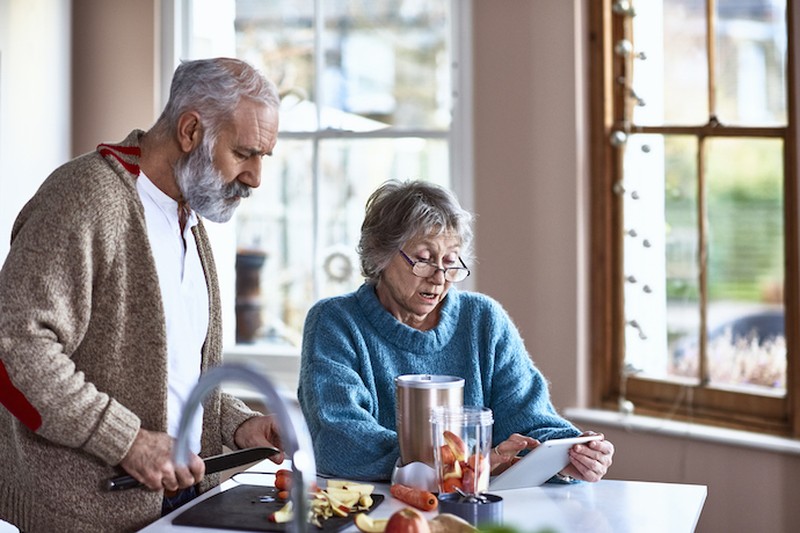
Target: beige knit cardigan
x=83, y=357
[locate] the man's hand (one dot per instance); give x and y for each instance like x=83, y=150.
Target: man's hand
x=260, y=431
x=149, y=461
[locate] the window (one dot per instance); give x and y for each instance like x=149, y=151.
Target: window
x=369, y=92
x=694, y=209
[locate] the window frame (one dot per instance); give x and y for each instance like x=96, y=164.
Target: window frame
x=673, y=399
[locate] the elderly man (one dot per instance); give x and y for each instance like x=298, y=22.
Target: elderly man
x=109, y=311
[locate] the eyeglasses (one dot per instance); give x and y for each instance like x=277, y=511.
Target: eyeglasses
x=424, y=269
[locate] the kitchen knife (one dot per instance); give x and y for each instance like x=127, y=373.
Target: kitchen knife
x=216, y=463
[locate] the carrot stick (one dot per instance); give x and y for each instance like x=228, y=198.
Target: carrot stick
x=421, y=499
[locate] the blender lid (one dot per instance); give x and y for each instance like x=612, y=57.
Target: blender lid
x=428, y=381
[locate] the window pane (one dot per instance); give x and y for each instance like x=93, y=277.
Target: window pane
x=672, y=81
x=278, y=38
x=746, y=338
x=682, y=252
x=660, y=255
x=351, y=171
x=277, y=223
x=354, y=66
x=751, y=62
x=385, y=63
x=388, y=61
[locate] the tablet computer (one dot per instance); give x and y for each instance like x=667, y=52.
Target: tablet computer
x=539, y=465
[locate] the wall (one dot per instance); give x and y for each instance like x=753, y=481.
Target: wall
x=115, y=69
x=527, y=175
x=530, y=190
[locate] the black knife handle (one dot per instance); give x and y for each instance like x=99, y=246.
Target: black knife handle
x=122, y=483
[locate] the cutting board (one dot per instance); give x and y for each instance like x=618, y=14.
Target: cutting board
x=247, y=508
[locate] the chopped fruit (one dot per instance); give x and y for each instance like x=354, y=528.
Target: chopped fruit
x=457, y=445
x=361, y=488
x=367, y=525
x=340, y=499
x=447, y=455
x=449, y=485
x=456, y=472
x=450, y=523
x=282, y=515
x=468, y=480
x=345, y=497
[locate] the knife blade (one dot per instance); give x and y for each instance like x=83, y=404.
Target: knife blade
x=214, y=464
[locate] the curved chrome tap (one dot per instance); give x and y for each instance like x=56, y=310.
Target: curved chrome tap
x=295, y=437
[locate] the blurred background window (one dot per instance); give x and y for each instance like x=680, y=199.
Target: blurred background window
x=369, y=92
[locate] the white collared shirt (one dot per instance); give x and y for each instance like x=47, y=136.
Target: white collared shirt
x=184, y=294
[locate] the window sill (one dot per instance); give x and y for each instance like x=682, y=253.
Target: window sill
x=672, y=428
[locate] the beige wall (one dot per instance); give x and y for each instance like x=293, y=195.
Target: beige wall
x=529, y=186
x=114, y=68
x=528, y=173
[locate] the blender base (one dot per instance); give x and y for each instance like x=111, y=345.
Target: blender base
x=416, y=474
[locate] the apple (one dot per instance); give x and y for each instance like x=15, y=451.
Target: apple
x=446, y=455
x=450, y=523
x=456, y=445
x=455, y=472
x=282, y=515
x=450, y=485
x=365, y=524
x=468, y=480
x=407, y=520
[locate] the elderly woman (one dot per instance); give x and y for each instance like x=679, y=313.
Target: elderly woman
x=407, y=318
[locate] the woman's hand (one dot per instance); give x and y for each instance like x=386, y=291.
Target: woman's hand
x=590, y=461
x=506, y=453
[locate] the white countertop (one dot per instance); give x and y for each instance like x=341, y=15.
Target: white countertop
x=606, y=506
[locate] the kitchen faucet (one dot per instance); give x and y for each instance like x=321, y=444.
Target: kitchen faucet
x=295, y=437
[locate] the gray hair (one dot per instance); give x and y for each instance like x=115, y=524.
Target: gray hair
x=399, y=212
x=214, y=87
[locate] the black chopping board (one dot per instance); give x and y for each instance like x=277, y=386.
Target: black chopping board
x=241, y=508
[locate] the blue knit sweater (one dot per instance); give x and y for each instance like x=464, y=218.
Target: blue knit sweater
x=353, y=348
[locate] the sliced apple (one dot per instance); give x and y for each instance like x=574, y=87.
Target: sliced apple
x=282, y=515
x=365, y=501
x=450, y=523
x=457, y=445
x=456, y=472
x=344, y=496
x=361, y=488
x=338, y=507
x=446, y=455
x=365, y=524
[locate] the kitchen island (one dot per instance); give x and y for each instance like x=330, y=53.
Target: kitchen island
x=607, y=506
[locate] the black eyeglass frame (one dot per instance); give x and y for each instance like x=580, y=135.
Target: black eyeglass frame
x=445, y=270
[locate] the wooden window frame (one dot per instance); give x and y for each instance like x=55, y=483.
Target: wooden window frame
x=698, y=403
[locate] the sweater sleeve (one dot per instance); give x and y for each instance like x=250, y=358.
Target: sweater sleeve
x=339, y=404
x=520, y=398
x=59, y=252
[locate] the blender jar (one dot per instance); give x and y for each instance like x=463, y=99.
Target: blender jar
x=462, y=442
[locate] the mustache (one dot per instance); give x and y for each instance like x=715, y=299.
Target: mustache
x=236, y=188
